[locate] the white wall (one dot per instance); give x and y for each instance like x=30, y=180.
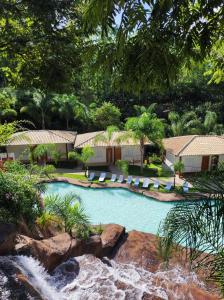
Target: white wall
x=170, y=159
x=130, y=153
x=192, y=163
x=99, y=156
x=22, y=152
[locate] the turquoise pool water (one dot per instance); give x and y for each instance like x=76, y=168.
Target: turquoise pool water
x=116, y=205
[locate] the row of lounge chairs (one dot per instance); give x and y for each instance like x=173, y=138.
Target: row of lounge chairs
x=146, y=181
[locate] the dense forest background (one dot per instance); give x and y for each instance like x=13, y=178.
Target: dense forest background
x=84, y=65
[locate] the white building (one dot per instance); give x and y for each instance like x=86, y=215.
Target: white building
x=198, y=153
x=109, y=153
x=19, y=144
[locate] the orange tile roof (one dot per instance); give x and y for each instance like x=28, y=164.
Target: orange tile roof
x=36, y=137
x=195, y=145
x=90, y=140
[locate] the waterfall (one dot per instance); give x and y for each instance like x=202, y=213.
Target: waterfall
x=89, y=278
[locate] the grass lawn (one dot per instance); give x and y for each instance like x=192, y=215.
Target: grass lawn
x=68, y=175
x=151, y=170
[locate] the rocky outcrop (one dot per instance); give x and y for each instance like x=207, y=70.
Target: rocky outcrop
x=7, y=238
x=111, y=235
x=51, y=252
x=141, y=249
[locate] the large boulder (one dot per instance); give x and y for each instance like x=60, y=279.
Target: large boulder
x=111, y=235
x=7, y=238
x=92, y=245
x=51, y=252
x=141, y=249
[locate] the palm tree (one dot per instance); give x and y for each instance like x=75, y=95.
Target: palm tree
x=41, y=104
x=43, y=151
x=210, y=125
x=84, y=156
x=198, y=226
x=188, y=123
x=143, y=128
x=69, y=107
x=107, y=136
x=70, y=212
x=140, y=109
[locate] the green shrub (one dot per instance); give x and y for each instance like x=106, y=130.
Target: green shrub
x=69, y=210
x=155, y=159
x=97, y=229
x=123, y=166
x=19, y=199
x=14, y=166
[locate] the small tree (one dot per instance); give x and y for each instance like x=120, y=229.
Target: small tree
x=70, y=212
x=83, y=157
x=178, y=167
x=106, y=115
x=122, y=166
x=140, y=129
x=42, y=151
x=108, y=136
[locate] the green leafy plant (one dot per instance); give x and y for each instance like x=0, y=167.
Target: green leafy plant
x=68, y=208
x=141, y=129
x=19, y=199
x=155, y=159
x=123, y=166
x=198, y=227
x=84, y=156
x=43, y=151
x=106, y=115
x=178, y=168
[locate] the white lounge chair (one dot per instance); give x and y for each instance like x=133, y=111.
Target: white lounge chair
x=121, y=179
x=129, y=180
x=156, y=184
x=168, y=186
x=186, y=187
x=146, y=183
x=102, y=177
x=91, y=176
x=113, y=177
x=137, y=181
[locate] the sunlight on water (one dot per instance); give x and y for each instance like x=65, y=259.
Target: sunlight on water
x=116, y=205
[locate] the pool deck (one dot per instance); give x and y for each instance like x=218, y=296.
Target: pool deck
x=164, y=197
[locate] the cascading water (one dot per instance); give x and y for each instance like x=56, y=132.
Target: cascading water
x=87, y=277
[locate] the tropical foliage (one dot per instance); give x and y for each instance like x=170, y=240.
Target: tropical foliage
x=69, y=210
x=83, y=157
x=19, y=197
x=106, y=115
x=198, y=226
x=43, y=152
x=107, y=136
x=146, y=127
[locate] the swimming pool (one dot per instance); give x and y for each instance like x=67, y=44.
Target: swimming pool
x=117, y=205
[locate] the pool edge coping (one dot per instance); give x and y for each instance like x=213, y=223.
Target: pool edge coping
x=158, y=196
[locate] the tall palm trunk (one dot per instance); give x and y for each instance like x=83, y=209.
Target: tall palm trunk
x=43, y=119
